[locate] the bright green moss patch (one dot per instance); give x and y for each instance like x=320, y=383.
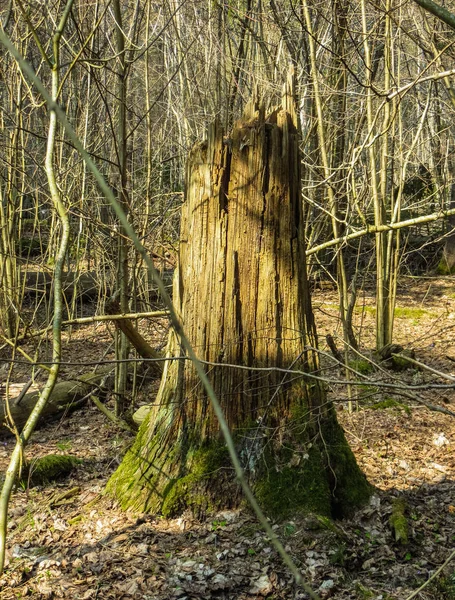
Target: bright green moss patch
x=400, y=312
x=125, y=484
x=371, y=310
x=292, y=489
x=391, y=403
x=362, y=366
x=49, y=468
x=200, y=488
x=411, y=313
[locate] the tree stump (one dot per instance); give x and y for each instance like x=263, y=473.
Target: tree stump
x=242, y=293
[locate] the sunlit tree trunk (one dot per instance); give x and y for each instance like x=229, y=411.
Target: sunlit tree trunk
x=242, y=293
x=121, y=147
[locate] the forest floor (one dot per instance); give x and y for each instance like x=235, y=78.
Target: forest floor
x=68, y=540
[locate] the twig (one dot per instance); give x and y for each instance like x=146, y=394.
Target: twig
x=110, y=415
x=424, y=366
x=57, y=500
x=25, y=389
x=430, y=579
x=433, y=407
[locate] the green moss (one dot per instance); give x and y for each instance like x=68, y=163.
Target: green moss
x=198, y=489
x=400, y=312
x=364, y=592
x=391, y=403
x=289, y=477
x=327, y=481
x=444, y=269
x=362, y=366
x=337, y=556
x=49, y=468
x=327, y=524
x=371, y=310
x=399, y=362
x=411, y=313
x=125, y=484
x=291, y=489
x=444, y=587
x=398, y=521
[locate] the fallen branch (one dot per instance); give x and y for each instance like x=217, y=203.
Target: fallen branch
x=65, y=395
x=141, y=345
x=334, y=350
x=110, y=415
x=426, y=367
x=155, y=314
x=432, y=407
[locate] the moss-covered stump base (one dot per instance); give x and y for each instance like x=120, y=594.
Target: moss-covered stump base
x=199, y=479
x=320, y=477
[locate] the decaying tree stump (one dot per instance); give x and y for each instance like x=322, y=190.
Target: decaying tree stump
x=243, y=296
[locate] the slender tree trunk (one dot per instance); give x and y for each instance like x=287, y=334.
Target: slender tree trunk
x=122, y=259
x=449, y=243
x=242, y=292
x=62, y=212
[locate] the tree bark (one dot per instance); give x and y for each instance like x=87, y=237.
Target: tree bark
x=242, y=293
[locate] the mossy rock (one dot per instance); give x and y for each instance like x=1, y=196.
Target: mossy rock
x=385, y=353
x=393, y=356
x=49, y=468
x=399, y=363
